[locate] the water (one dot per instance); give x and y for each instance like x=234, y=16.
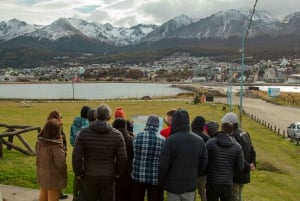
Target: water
x=88, y=91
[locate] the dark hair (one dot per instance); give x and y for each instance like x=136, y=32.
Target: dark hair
x=171, y=112
x=91, y=115
x=84, y=111
x=119, y=123
x=51, y=129
x=55, y=114
x=227, y=127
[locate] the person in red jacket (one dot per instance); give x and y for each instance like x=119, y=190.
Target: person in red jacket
x=168, y=120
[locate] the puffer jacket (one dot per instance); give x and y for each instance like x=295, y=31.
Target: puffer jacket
x=184, y=157
x=51, y=164
x=243, y=138
x=99, y=151
x=225, y=159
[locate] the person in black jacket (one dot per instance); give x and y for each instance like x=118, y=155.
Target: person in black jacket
x=225, y=158
x=183, y=159
x=198, y=125
x=243, y=138
x=124, y=182
x=99, y=155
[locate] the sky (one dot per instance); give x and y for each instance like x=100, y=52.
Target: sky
x=126, y=13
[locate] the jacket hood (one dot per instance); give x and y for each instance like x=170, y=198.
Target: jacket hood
x=100, y=126
x=59, y=141
x=224, y=140
x=180, y=121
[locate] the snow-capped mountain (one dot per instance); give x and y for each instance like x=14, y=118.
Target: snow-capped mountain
x=168, y=28
x=15, y=28
x=78, y=33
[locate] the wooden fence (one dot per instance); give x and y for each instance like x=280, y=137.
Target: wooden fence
x=16, y=131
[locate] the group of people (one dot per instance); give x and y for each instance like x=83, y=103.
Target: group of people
x=110, y=162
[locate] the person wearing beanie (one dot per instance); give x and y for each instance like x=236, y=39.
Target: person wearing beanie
x=147, y=147
x=119, y=113
x=212, y=128
x=243, y=138
x=197, y=127
x=183, y=160
x=222, y=149
x=98, y=157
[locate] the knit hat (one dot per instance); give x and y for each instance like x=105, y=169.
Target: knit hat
x=230, y=117
x=198, y=123
x=153, y=120
x=91, y=115
x=212, y=127
x=119, y=113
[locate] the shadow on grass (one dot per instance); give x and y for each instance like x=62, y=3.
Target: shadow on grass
x=266, y=166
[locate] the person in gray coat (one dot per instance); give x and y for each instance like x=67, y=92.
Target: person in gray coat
x=183, y=159
x=99, y=155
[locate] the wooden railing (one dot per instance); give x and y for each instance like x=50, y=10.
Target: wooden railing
x=16, y=130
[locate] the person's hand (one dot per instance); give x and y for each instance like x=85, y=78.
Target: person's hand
x=252, y=166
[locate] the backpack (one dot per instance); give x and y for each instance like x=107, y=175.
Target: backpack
x=248, y=149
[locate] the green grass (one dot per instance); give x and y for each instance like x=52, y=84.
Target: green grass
x=278, y=161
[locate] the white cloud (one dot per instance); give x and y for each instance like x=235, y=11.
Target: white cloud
x=131, y=12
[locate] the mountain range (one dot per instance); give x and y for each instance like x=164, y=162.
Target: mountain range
x=223, y=29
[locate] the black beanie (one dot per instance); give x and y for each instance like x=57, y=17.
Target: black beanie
x=198, y=123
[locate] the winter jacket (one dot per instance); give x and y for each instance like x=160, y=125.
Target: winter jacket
x=51, y=164
x=99, y=151
x=184, y=157
x=244, y=140
x=124, y=181
x=147, y=147
x=225, y=158
x=78, y=124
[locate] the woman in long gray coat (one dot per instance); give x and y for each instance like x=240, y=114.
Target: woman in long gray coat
x=51, y=161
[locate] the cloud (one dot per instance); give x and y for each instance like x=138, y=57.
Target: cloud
x=131, y=12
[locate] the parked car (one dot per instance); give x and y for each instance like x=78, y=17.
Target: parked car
x=293, y=130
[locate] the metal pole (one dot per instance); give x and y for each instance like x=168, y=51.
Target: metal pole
x=230, y=88
x=242, y=78
x=73, y=88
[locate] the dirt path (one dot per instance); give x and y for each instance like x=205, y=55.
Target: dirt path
x=15, y=193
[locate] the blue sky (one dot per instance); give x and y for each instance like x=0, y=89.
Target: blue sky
x=131, y=12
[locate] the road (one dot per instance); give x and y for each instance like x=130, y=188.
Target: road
x=279, y=116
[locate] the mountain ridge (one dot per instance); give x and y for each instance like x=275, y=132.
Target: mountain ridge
x=221, y=30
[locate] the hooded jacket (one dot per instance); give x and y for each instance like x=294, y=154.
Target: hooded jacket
x=99, y=151
x=184, y=157
x=225, y=159
x=51, y=163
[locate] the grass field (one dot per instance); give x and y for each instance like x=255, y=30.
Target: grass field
x=278, y=161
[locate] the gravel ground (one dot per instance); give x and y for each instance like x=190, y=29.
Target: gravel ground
x=275, y=115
